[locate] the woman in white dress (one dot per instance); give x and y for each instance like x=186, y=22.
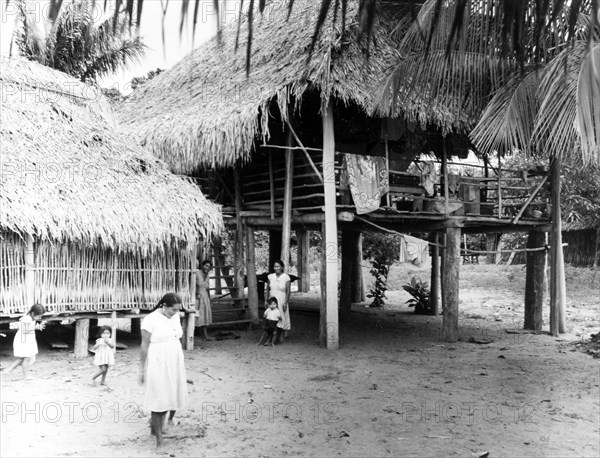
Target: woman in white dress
x=203, y=308
x=279, y=287
x=161, y=364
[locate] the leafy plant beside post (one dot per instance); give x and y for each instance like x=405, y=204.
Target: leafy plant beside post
x=380, y=270
x=420, y=296
x=381, y=250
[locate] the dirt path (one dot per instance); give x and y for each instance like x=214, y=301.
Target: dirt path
x=393, y=389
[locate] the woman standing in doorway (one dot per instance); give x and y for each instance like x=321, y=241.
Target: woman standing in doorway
x=203, y=308
x=279, y=287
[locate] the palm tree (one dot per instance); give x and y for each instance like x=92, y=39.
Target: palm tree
x=76, y=45
x=516, y=19
x=542, y=96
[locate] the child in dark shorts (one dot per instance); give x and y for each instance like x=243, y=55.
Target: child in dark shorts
x=272, y=317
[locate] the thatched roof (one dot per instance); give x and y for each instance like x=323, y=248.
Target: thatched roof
x=591, y=222
x=67, y=175
x=205, y=111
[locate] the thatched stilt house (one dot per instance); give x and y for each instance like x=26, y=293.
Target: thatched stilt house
x=88, y=221
x=290, y=137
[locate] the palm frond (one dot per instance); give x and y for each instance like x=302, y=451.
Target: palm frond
x=119, y=56
x=28, y=37
x=508, y=120
x=77, y=46
x=588, y=105
x=569, y=93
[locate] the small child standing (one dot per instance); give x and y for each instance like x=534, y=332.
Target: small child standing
x=25, y=345
x=272, y=317
x=105, y=353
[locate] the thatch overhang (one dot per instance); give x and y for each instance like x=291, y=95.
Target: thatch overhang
x=66, y=174
x=206, y=111
x=588, y=223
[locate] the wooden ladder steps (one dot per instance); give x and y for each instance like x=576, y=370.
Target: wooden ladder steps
x=223, y=323
x=229, y=299
x=230, y=310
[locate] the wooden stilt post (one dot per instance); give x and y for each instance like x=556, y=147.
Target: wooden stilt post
x=329, y=334
x=435, y=273
x=445, y=174
x=356, y=284
x=491, y=244
x=82, y=338
x=251, y=274
x=114, y=325
x=217, y=261
x=443, y=269
x=451, y=284
x=303, y=264
x=557, y=269
x=274, y=247
x=349, y=240
x=189, y=325
x=239, y=236
x=271, y=184
x=136, y=326
x=534, y=281
x=286, y=229
x=499, y=187
x=30, y=272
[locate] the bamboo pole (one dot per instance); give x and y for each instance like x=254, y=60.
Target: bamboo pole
x=239, y=242
x=445, y=174
x=29, y=271
x=387, y=159
x=529, y=200
x=329, y=332
x=435, y=273
x=251, y=274
x=557, y=282
x=308, y=158
x=499, y=187
x=286, y=228
x=271, y=185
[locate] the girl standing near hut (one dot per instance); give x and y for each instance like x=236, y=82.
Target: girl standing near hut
x=105, y=354
x=25, y=345
x=203, y=308
x=162, y=367
x=279, y=288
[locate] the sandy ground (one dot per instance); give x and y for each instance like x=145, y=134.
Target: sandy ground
x=394, y=388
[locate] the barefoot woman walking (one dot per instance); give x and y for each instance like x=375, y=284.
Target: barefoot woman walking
x=161, y=364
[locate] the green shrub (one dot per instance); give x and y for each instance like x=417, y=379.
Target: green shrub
x=420, y=296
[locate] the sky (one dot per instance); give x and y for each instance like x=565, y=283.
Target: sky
x=175, y=47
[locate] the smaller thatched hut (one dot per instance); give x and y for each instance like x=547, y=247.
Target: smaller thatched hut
x=88, y=221
x=583, y=242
